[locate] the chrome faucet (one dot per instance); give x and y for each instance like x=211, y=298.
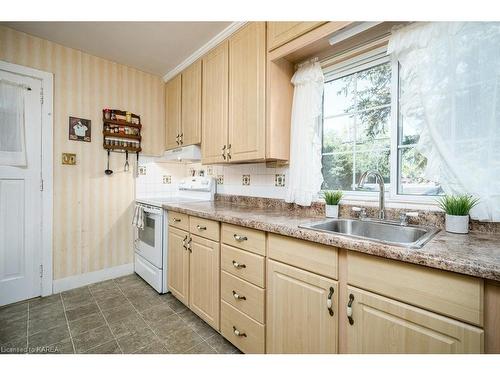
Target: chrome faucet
x=380, y=181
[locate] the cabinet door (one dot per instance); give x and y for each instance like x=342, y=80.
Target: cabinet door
x=191, y=105
x=178, y=265
x=204, y=296
x=214, y=103
x=382, y=325
x=172, y=112
x=298, y=319
x=247, y=81
x=279, y=33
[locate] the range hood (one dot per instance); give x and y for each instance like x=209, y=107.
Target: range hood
x=186, y=153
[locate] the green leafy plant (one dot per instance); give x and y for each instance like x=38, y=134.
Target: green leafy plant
x=332, y=197
x=459, y=205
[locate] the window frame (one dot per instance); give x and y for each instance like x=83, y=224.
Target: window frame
x=361, y=62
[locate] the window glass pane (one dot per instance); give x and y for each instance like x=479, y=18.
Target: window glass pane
x=412, y=180
x=338, y=134
x=373, y=161
x=373, y=87
x=373, y=127
x=338, y=96
x=337, y=172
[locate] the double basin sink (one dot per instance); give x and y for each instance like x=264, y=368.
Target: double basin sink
x=392, y=233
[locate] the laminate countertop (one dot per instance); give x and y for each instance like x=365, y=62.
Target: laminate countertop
x=475, y=254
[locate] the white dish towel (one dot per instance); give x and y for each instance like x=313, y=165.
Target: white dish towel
x=138, y=219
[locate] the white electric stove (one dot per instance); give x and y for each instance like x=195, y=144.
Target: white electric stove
x=151, y=242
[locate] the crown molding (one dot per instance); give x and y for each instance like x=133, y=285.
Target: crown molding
x=231, y=29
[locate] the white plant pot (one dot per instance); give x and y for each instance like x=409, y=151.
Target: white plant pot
x=457, y=224
x=332, y=210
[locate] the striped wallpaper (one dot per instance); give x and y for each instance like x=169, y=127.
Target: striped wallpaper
x=92, y=211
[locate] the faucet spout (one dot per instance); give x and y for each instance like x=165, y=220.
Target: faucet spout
x=380, y=181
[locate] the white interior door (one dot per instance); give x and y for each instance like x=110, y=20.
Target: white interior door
x=21, y=205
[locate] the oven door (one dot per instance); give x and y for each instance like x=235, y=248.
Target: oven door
x=149, y=241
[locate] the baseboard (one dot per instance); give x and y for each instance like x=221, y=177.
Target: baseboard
x=77, y=281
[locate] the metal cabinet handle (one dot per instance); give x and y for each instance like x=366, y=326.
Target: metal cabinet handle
x=238, y=266
x=229, y=152
x=239, y=238
x=177, y=139
x=180, y=138
x=238, y=297
x=238, y=333
x=176, y=220
x=189, y=244
x=224, y=152
x=329, y=301
x=349, y=309
x=184, y=242
x=199, y=227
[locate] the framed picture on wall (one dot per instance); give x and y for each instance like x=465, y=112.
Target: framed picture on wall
x=79, y=129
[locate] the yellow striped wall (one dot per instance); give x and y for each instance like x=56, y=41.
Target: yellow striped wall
x=92, y=211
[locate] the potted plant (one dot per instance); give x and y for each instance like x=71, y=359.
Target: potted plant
x=332, y=199
x=457, y=208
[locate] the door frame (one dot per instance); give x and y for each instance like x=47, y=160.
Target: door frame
x=47, y=81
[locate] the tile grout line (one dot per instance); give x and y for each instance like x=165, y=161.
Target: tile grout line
x=107, y=324
x=140, y=315
x=67, y=323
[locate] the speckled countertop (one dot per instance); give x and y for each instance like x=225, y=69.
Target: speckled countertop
x=476, y=254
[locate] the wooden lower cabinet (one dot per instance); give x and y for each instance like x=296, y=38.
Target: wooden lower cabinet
x=383, y=325
x=204, y=296
x=178, y=264
x=298, y=315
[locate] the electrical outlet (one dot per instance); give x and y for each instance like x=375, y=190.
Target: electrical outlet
x=167, y=179
x=68, y=159
x=279, y=180
x=210, y=171
x=245, y=180
x=142, y=170
x=220, y=179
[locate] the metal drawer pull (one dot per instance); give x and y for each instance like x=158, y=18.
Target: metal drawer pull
x=329, y=301
x=184, y=242
x=238, y=266
x=176, y=220
x=238, y=333
x=349, y=309
x=239, y=238
x=238, y=297
x=189, y=244
x=199, y=227
x=224, y=152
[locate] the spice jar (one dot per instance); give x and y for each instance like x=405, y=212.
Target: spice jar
x=128, y=117
x=107, y=114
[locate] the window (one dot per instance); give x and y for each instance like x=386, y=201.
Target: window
x=358, y=130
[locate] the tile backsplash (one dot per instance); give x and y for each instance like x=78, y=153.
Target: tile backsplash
x=254, y=180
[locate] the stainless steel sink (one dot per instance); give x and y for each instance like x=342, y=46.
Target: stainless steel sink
x=388, y=232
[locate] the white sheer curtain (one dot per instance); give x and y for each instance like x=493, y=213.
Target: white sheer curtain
x=450, y=93
x=305, y=177
x=12, y=140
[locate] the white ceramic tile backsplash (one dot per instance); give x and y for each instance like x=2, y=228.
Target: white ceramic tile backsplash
x=262, y=179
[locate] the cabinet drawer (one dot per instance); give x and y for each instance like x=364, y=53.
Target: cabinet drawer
x=248, y=266
x=244, y=238
x=204, y=228
x=243, y=296
x=446, y=293
x=178, y=220
x=310, y=256
x=251, y=334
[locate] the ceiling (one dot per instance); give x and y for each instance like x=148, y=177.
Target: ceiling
x=153, y=47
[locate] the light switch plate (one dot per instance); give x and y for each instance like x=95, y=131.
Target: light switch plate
x=279, y=180
x=68, y=159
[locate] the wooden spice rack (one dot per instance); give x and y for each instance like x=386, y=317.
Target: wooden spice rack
x=128, y=138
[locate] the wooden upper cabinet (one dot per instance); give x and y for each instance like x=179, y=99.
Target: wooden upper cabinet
x=173, y=112
x=215, y=104
x=178, y=264
x=381, y=325
x=247, y=84
x=204, y=292
x=298, y=318
x=191, y=105
x=279, y=33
